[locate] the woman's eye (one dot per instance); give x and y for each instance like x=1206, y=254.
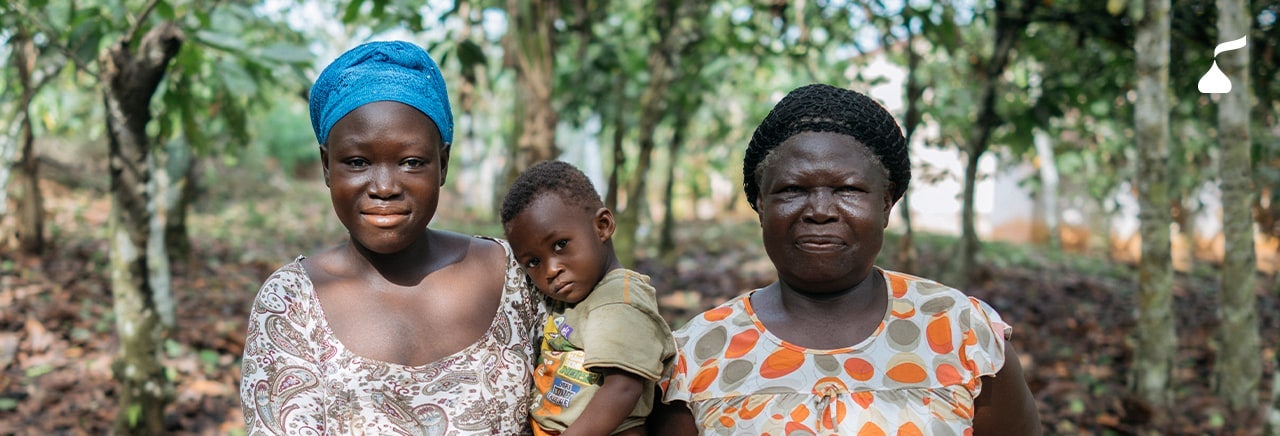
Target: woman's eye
x=414, y=163
x=560, y=244
x=532, y=263
x=357, y=162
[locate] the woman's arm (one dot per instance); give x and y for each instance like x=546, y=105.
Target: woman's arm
x=611, y=404
x=1005, y=406
x=672, y=418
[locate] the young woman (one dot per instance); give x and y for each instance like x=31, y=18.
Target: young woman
x=403, y=329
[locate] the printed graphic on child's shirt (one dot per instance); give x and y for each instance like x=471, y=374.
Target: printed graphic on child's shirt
x=560, y=375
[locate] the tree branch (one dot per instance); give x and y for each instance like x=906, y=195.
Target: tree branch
x=42, y=25
x=135, y=27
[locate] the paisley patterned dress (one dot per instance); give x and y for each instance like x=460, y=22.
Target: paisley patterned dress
x=919, y=373
x=298, y=379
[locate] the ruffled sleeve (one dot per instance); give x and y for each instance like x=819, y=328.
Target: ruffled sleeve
x=528, y=306
x=983, y=349
x=280, y=389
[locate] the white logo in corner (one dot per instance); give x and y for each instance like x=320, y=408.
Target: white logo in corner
x=1214, y=81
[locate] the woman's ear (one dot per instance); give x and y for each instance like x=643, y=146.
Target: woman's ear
x=756, y=208
x=605, y=225
x=888, y=207
x=324, y=164
x=444, y=162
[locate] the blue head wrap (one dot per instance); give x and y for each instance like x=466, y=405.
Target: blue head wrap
x=380, y=71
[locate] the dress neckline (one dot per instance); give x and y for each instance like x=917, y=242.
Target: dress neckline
x=884, y=320
x=322, y=321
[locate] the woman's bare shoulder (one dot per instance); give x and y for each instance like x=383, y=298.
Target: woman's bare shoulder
x=328, y=264
x=490, y=252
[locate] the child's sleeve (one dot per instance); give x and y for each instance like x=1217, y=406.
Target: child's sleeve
x=626, y=337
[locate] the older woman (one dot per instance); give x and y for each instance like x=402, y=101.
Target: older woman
x=402, y=329
x=837, y=345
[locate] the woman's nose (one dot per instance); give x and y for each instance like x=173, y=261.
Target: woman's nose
x=383, y=183
x=820, y=207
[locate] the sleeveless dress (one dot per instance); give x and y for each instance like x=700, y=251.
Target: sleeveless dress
x=299, y=379
x=919, y=373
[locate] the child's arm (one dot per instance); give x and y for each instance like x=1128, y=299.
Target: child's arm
x=610, y=405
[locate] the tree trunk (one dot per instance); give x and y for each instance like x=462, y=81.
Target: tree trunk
x=129, y=80
x=906, y=253
x=1048, y=169
x=167, y=208
x=159, y=275
x=1181, y=213
x=31, y=203
x=676, y=35
x=1155, y=343
x=467, y=86
x=184, y=189
x=9, y=146
x=532, y=47
x=624, y=239
x=619, y=133
x=668, y=240
x=1238, y=371
x=969, y=243
x=19, y=135
x=1273, y=416
x=1007, y=30
x=30, y=224
x=652, y=109
x=8, y=149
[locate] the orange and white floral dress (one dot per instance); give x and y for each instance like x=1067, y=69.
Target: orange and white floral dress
x=917, y=374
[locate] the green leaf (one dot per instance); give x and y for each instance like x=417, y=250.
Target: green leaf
x=165, y=10
x=222, y=41
x=172, y=348
x=1216, y=420
x=193, y=131
x=134, y=412
x=1100, y=108
x=235, y=78
x=352, y=12
x=38, y=370
x=471, y=55
x=85, y=37
x=286, y=53
x=8, y=404
x=1076, y=406
x=190, y=58
x=209, y=357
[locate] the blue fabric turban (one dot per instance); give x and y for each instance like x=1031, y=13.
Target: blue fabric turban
x=380, y=71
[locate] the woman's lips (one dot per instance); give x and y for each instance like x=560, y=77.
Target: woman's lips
x=820, y=244
x=384, y=218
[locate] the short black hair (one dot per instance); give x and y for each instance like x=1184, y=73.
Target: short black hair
x=825, y=108
x=551, y=176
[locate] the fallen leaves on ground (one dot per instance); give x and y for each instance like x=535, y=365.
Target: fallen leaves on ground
x=57, y=338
